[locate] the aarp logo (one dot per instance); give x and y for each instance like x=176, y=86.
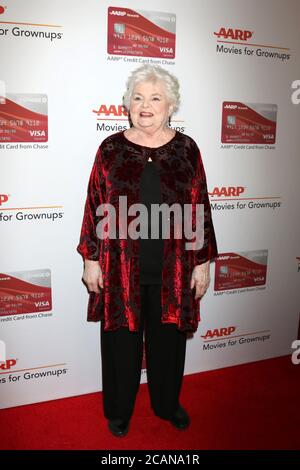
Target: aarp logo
x=117, y=13
x=234, y=33
x=111, y=111
x=8, y=364
x=219, y=332
x=227, y=191
x=3, y=198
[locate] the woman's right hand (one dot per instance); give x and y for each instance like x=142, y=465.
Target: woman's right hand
x=92, y=276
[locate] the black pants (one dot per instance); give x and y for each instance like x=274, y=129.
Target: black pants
x=122, y=353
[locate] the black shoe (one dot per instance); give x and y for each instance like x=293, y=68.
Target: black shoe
x=118, y=427
x=180, y=419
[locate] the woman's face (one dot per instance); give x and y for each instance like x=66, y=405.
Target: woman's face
x=149, y=106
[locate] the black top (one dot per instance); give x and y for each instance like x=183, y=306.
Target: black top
x=151, y=250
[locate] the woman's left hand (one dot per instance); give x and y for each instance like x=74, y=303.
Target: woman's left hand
x=200, y=279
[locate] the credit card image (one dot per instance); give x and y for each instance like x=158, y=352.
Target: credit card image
x=141, y=33
x=238, y=270
x=248, y=123
x=25, y=292
x=24, y=117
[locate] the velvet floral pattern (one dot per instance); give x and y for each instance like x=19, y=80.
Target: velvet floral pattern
x=117, y=171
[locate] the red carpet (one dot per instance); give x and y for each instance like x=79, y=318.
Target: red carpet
x=253, y=406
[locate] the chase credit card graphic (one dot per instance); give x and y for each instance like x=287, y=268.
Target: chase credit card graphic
x=248, y=123
x=25, y=292
x=238, y=270
x=24, y=117
x=141, y=33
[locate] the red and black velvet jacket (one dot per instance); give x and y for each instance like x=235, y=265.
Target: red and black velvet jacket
x=117, y=171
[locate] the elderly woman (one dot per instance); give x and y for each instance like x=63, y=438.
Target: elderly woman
x=140, y=284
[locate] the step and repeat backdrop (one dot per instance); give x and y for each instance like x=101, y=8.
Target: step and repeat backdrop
x=63, y=69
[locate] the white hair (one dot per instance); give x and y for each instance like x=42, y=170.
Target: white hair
x=148, y=73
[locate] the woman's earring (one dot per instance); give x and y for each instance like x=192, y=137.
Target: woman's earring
x=170, y=115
